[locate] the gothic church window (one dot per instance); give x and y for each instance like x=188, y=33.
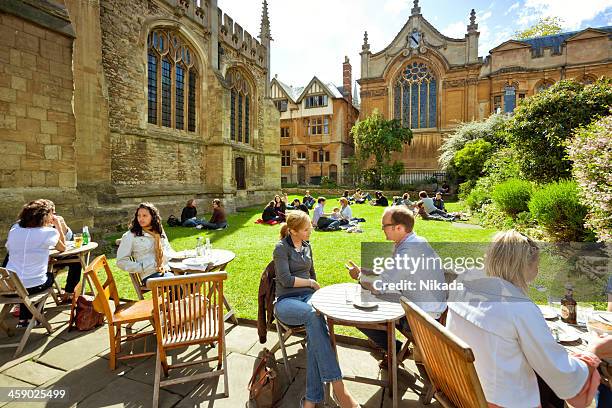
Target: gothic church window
x=240, y=107
x=415, y=97
x=172, y=81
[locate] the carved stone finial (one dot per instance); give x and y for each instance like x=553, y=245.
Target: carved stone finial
x=473, y=26
x=264, y=31
x=416, y=10
x=365, y=46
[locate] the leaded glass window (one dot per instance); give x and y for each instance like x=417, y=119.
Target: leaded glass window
x=171, y=81
x=509, y=99
x=152, y=84
x=414, y=99
x=240, y=107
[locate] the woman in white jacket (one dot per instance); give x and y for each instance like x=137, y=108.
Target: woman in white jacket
x=509, y=337
x=145, y=249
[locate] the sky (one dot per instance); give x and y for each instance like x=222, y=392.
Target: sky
x=311, y=37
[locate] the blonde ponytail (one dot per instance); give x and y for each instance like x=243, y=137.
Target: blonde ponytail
x=296, y=220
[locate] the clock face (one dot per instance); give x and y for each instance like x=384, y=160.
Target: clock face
x=415, y=40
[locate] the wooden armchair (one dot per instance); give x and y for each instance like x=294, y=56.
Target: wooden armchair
x=448, y=360
x=188, y=310
x=117, y=314
x=12, y=292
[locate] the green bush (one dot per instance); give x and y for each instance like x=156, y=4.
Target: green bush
x=542, y=125
x=391, y=175
x=512, y=196
x=557, y=209
x=470, y=159
x=327, y=182
x=477, y=197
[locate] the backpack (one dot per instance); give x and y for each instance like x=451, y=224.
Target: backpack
x=173, y=221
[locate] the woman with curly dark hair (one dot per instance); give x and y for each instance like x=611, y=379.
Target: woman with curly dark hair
x=28, y=246
x=145, y=249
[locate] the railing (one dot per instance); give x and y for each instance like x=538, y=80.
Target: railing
x=416, y=177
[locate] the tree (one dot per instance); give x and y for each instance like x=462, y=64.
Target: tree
x=542, y=126
x=545, y=26
x=377, y=137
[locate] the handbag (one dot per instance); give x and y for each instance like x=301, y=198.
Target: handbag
x=85, y=316
x=264, y=385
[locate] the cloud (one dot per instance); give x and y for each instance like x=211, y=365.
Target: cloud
x=455, y=30
x=511, y=8
x=571, y=14
x=484, y=16
x=396, y=6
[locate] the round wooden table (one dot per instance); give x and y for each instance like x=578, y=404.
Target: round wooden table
x=217, y=261
x=73, y=255
x=331, y=301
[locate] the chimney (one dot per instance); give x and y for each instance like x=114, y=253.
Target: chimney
x=347, y=81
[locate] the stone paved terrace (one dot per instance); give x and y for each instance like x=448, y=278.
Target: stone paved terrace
x=79, y=361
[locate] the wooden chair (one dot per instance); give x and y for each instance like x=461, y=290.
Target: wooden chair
x=12, y=292
x=284, y=332
x=188, y=310
x=139, y=286
x=448, y=360
x=117, y=314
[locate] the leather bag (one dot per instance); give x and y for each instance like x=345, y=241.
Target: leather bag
x=265, y=390
x=86, y=318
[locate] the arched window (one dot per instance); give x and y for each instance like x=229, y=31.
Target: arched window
x=172, y=81
x=415, y=100
x=240, y=107
x=542, y=85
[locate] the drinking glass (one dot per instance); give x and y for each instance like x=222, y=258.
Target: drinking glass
x=584, y=314
x=555, y=304
x=350, y=293
x=78, y=240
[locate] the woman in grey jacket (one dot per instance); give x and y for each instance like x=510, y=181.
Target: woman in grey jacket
x=295, y=284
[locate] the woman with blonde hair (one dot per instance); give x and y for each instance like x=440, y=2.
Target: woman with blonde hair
x=295, y=284
x=509, y=337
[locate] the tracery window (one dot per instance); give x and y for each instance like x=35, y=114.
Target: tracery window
x=415, y=96
x=172, y=81
x=240, y=107
x=545, y=84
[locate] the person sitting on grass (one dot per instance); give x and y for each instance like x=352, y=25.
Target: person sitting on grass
x=381, y=200
x=269, y=213
x=28, y=246
x=308, y=200
x=335, y=215
x=280, y=207
x=145, y=248
x=439, y=202
x=428, y=203
x=218, y=219
x=320, y=219
x=442, y=216
x=347, y=195
x=189, y=213
x=296, y=205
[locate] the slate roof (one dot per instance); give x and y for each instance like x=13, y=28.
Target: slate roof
x=555, y=41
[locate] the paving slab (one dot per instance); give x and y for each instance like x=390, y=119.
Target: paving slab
x=240, y=339
x=210, y=393
x=33, y=373
x=124, y=392
x=7, y=381
x=69, y=354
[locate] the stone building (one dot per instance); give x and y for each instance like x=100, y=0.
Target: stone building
x=432, y=82
x=315, y=124
x=106, y=103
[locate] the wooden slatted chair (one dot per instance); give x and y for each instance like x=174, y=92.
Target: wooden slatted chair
x=117, y=314
x=188, y=310
x=284, y=332
x=448, y=360
x=12, y=292
x=139, y=286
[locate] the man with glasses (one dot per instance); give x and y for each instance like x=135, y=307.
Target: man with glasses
x=418, y=272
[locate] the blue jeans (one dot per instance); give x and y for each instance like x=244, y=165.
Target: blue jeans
x=322, y=365
x=191, y=222
x=157, y=275
x=604, y=399
x=213, y=226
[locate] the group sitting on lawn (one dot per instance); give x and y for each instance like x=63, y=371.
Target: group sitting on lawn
x=217, y=220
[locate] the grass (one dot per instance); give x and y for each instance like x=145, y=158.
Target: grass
x=254, y=243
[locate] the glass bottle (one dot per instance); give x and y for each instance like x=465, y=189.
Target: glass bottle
x=199, y=249
x=86, y=236
x=568, y=306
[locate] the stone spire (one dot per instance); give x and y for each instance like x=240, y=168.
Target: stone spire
x=473, y=26
x=355, y=95
x=365, y=47
x=264, y=31
x=416, y=10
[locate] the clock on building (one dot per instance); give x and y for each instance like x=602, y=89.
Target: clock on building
x=414, y=40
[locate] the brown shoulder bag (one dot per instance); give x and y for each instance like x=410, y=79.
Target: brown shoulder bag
x=85, y=316
x=264, y=386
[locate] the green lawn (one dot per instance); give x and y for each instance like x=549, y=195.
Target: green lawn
x=254, y=243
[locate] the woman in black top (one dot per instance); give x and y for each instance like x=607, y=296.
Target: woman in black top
x=269, y=213
x=189, y=213
x=279, y=207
